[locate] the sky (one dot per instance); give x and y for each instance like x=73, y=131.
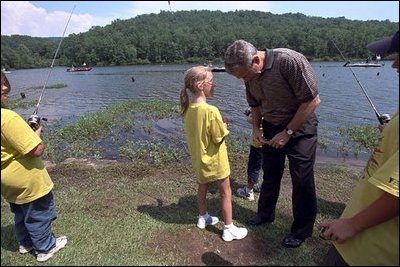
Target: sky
x=50, y=18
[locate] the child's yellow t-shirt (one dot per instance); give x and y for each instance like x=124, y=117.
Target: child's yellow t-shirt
x=205, y=135
x=378, y=245
x=23, y=178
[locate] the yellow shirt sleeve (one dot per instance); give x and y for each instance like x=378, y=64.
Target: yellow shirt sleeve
x=217, y=127
x=387, y=176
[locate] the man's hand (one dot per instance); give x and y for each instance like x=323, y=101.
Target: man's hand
x=279, y=140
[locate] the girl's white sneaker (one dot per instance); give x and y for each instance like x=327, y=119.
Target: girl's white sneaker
x=234, y=232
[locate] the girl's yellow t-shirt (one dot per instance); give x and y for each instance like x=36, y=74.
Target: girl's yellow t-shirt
x=205, y=135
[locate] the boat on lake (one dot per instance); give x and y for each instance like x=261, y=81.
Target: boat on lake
x=83, y=68
x=367, y=63
x=363, y=64
x=214, y=69
x=5, y=71
x=218, y=69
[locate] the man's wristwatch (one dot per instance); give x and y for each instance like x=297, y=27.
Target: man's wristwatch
x=289, y=131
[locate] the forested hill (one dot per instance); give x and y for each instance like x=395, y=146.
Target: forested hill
x=196, y=36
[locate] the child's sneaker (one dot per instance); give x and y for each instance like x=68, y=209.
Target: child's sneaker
x=202, y=222
x=245, y=193
x=60, y=243
x=234, y=232
x=25, y=249
x=257, y=188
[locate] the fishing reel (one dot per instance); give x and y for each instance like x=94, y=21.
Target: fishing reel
x=34, y=121
x=384, y=118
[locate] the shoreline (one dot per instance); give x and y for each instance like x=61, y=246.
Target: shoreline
x=320, y=161
x=343, y=162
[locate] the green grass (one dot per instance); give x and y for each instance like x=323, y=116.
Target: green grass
x=110, y=128
x=20, y=103
x=359, y=138
x=17, y=101
x=120, y=213
x=141, y=210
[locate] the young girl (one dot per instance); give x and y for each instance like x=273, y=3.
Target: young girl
x=205, y=133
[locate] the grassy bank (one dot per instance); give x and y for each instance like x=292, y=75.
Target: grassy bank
x=141, y=208
x=131, y=214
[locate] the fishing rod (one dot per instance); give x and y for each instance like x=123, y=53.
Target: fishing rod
x=34, y=119
x=382, y=118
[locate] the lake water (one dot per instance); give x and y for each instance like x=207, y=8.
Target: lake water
x=342, y=100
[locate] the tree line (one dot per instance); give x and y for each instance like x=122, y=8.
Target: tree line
x=196, y=37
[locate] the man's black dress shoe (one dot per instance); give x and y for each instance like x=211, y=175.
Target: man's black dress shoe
x=255, y=221
x=291, y=242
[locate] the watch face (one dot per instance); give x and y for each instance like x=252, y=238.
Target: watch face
x=289, y=131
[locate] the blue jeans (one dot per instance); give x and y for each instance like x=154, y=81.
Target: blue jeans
x=254, y=164
x=33, y=223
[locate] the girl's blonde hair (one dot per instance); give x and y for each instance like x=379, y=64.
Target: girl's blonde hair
x=191, y=77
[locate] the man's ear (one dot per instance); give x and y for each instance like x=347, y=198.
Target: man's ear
x=256, y=59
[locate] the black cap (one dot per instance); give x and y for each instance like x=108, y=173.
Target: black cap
x=386, y=45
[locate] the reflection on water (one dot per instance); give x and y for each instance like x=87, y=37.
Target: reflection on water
x=342, y=100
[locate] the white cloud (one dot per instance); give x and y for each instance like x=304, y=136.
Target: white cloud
x=26, y=19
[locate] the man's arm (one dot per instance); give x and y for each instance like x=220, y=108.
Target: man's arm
x=303, y=112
